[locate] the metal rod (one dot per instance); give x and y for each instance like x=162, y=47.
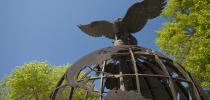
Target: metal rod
x=54, y=93
x=71, y=93
x=118, y=75
x=122, y=84
x=136, y=70
x=86, y=74
x=195, y=91
x=102, y=81
x=171, y=84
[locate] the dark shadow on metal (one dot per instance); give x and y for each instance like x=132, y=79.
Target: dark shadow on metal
x=146, y=75
x=126, y=71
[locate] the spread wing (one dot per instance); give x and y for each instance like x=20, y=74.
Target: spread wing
x=139, y=13
x=99, y=28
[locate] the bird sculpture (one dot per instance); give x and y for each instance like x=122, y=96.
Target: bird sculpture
x=126, y=71
x=121, y=29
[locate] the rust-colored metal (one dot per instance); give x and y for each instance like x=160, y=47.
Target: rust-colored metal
x=135, y=70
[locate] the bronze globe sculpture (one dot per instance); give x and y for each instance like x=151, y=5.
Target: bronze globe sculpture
x=126, y=71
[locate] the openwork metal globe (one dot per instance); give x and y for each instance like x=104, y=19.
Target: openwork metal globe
x=127, y=72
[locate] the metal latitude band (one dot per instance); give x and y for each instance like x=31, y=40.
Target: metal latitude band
x=129, y=83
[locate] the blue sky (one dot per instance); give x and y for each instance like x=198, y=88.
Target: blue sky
x=45, y=30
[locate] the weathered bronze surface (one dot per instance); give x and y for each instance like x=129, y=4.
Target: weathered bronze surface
x=134, y=20
x=126, y=71
x=159, y=77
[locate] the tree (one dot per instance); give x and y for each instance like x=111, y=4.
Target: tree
x=34, y=80
x=186, y=36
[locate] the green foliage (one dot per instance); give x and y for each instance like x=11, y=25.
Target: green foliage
x=79, y=93
x=31, y=81
x=186, y=36
x=36, y=81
